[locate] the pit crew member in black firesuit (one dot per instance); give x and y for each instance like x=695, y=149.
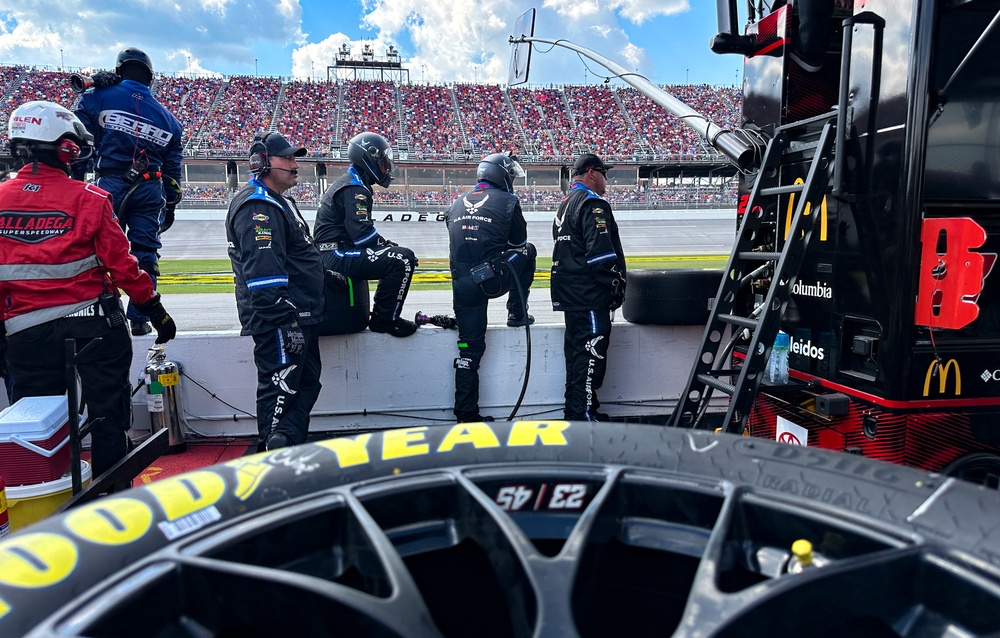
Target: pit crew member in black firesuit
x=588, y=282
x=63, y=258
x=279, y=291
x=350, y=243
x=489, y=255
x=137, y=159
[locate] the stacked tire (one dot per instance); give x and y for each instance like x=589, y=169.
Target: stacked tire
x=681, y=297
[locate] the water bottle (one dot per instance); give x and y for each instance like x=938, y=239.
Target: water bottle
x=777, y=366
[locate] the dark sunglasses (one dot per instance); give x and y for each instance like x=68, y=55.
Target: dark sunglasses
x=602, y=171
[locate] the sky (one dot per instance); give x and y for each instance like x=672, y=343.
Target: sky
x=438, y=41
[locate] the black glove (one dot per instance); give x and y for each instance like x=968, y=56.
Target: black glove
x=104, y=79
x=292, y=338
x=3, y=350
x=335, y=281
x=168, y=218
x=617, y=293
x=382, y=242
x=173, y=194
x=163, y=323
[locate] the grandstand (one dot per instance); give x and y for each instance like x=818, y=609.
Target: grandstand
x=437, y=130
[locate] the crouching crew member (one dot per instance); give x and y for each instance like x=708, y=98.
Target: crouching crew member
x=588, y=282
x=279, y=291
x=489, y=257
x=63, y=258
x=350, y=243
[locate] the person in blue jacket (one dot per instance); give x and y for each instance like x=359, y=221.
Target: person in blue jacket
x=279, y=291
x=137, y=154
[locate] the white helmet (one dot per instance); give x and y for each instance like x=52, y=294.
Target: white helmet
x=47, y=126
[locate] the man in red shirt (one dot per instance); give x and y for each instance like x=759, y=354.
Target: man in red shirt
x=63, y=258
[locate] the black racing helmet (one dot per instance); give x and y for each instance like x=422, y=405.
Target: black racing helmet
x=134, y=58
x=372, y=155
x=499, y=169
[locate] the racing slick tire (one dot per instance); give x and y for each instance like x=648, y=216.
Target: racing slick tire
x=529, y=528
x=681, y=297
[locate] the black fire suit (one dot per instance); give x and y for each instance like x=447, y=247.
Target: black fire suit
x=588, y=282
x=486, y=225
x=279, y=281
x=351, y=245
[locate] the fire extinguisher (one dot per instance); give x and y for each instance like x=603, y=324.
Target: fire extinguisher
x=163, y=398
x=4, y=519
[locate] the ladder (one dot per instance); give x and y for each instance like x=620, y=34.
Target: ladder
x=755, y=258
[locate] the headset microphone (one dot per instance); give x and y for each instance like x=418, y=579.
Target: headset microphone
x=293, y=171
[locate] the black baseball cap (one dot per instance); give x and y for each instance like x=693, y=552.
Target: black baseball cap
x=274, y=145
x=588, y=161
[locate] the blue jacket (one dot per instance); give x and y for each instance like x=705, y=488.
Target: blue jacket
x=126, y=119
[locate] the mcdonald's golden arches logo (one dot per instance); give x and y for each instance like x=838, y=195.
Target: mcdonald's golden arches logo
x=823, y=217
x=943, y=373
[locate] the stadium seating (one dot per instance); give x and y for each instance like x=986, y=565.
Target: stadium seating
x=447, y=123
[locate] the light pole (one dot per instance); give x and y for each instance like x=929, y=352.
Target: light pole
x=475, y=74
x=62, y=60
x=255, y=66
x=687, y=76
x=189, y=65
x=312, y=71
x=423, y=68
x=585, y=76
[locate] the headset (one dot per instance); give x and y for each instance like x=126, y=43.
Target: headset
x=260, y=163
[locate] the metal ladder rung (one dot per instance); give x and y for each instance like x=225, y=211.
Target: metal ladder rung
x=783, y=190
x=736, y=320
x=753, y=255
x=712, y=382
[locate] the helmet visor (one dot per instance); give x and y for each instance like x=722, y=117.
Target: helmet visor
x=383, y=161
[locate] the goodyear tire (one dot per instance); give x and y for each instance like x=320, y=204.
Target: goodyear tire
x=517, y=529
x=670, y=297
x=346, y=309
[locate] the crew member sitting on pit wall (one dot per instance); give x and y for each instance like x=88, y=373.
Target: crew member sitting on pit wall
x=350, y=243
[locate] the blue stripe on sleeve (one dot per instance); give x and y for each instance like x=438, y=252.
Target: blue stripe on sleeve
x=367, y=238
x=600, y=258
x=267, y=282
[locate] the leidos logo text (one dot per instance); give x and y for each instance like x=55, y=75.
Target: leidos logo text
x=807, y=349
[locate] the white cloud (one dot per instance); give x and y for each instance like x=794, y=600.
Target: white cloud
x=91, y=32
x=467, y=40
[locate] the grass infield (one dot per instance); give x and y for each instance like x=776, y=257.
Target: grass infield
x=215, y=275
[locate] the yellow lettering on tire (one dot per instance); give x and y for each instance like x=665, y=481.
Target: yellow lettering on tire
x=349, y=450
x=188, y=493
x=36, y=560
x=478, y=434
x=400, y=443
x=4, y=608
x=528, y=433
x=111, y=522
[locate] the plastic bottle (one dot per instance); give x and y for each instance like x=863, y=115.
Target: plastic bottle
x=4, y=518
x=777, y=365
x=804, y=558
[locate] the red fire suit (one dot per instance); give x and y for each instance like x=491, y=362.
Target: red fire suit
x=60, y=249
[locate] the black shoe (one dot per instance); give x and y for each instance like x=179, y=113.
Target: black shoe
x=398, y=328
x=475, y=418
x=594, y=417
x=140, y=328
x=278, y=440
x=517, y=322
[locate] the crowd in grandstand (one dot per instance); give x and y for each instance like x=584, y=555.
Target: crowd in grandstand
x=431, y=122
x=424, y=122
